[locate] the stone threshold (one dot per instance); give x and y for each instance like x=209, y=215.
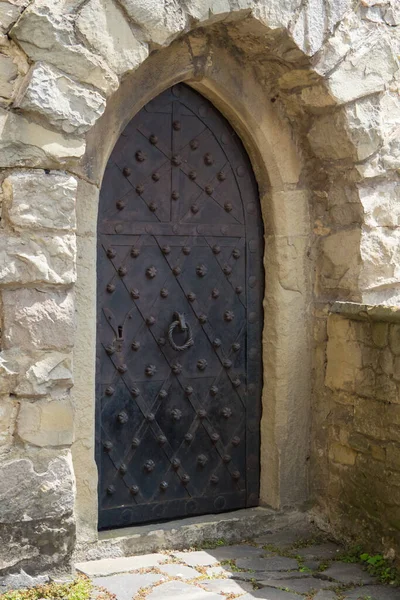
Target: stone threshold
x=366, y=312
x=232, y=527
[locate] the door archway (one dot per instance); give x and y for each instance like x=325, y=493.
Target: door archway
x=179, y=242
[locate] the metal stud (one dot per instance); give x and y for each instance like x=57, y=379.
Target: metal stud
x=122, y=271
x=110, y=490
x=238, y=289
x=216, y=249
x=163, y=394
x=126, y=171
x=135, y=293
x=166, y=249
x=236, y=347
x=202, y=364
x=192, y=175
x=120, y=204
x=216, y=343
x=202, y=413
x=150, y=417
x=208, y=159
x=176, y=160
x=185, y=479
x=236, y=253
x=150, y=321
x=161, y=341
x=162, y=440
x=140, y=156
x=110, y=350
x=134, y=490
x=123, y=469
x=153, y=139
x=194, y=144
x=229, y=315
x=139, y=189
x=135, y=391
x=227, y=363
x=164, y=293
x=214, y=479
x=188, y=390
x=235, y=441
x=177, y=271
x=221, y=176
x=175, y=195
x=111, y=253
x=227, y=270
x=110, y=288
x=135, y=252
x=191, y=296
x=227, y=458
x=188, y=438
x=151, y=272
x=176, y=125
x=135, y=442
x=135, y=346
x=228, y=207
x=213, y=390
x=235, y=475
x=201, y=270
x=176, y=414
x=203, y=319
x=108, y=446
x=150, y=370
x=149, y=466
x=226, y=412
x=153, y=206
x=163, y=486
x=109, y=390
x=176, y=463
x=176, y=368
x=215, y=293
x=156, y=177
x=209, y=190
x=202, y=460
x=122, y=417
x=214, y=437
x=236, y=382
x=194, y=208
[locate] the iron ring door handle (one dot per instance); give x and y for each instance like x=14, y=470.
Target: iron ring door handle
x=184, y=326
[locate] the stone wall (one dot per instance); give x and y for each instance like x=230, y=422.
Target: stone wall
x=313, y=90
x=356, y=423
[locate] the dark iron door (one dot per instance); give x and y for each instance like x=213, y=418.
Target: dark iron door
x=179, y=317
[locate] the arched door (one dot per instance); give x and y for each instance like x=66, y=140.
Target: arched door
x=179, y=310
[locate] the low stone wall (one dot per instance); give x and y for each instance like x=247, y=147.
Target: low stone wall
x=356, y=445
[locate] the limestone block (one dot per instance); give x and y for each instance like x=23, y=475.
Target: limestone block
x=381, y=203
x=9, y=12
x=208, y=11
x=330, y=139
x=275, y=14
x=44, y=373
x=105, y=29
x=340, y=260
x=160, y=21
x=38, y=258
x=342, y=454
x=365, y=70
x=24, y=143
x=315, y=21
x=28, y=493
x=47, y=36
x=363, y=125
x=38, y=200
x=394, y=339
x=8, y=76
x=8, y=412
x=9, y=369
x=46, y=423
x=380, y=255
x=69, y=106
x=35, y=318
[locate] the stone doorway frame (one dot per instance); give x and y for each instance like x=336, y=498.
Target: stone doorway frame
x=287, y=320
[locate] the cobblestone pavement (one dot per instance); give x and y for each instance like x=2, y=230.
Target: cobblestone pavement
x=286, y=565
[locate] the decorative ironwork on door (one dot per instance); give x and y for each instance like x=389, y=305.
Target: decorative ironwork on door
x=180, y=286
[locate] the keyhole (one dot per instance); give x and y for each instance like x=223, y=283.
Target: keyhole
x=120, y=332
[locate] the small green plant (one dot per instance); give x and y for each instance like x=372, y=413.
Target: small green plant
x=79, y=589
x=381, y=568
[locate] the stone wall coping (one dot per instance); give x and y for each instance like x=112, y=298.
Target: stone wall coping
x=366, y=312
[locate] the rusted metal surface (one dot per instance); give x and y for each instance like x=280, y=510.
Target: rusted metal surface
x=180, y=287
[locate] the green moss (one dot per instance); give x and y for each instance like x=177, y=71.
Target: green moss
x=79, y=589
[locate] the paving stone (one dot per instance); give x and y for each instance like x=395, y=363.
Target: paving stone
x=302, y=585
x=126, y=586
x=261, y=575
x=178, y=589
x=219, y=572
x=347, y=573
x=181, y=571
x=325, y=551
x=199, y=558
x=236, y=551
x=325, y=595
x=371, y=592
x=286, y=537
x=227, y=586
x=272, y=594
x=110, y=566
x=277, y=563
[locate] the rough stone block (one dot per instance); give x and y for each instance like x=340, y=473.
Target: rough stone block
x=38, y=318
x=9, y=369
x=24, y=143
x=394, y=339
x=69, y=106
x=381, y=203
x=45, y=36
x=38, y=258
x=104, y=27
x=161, y=22
x=8, y=413
x=39, y=201
x=342, y=454
x=330, y=139
x=340, y=260
x=393, y=457
x=46, y=423
x=380, y=255
x=44, y=373
x=9, y=12
x=8, y=76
